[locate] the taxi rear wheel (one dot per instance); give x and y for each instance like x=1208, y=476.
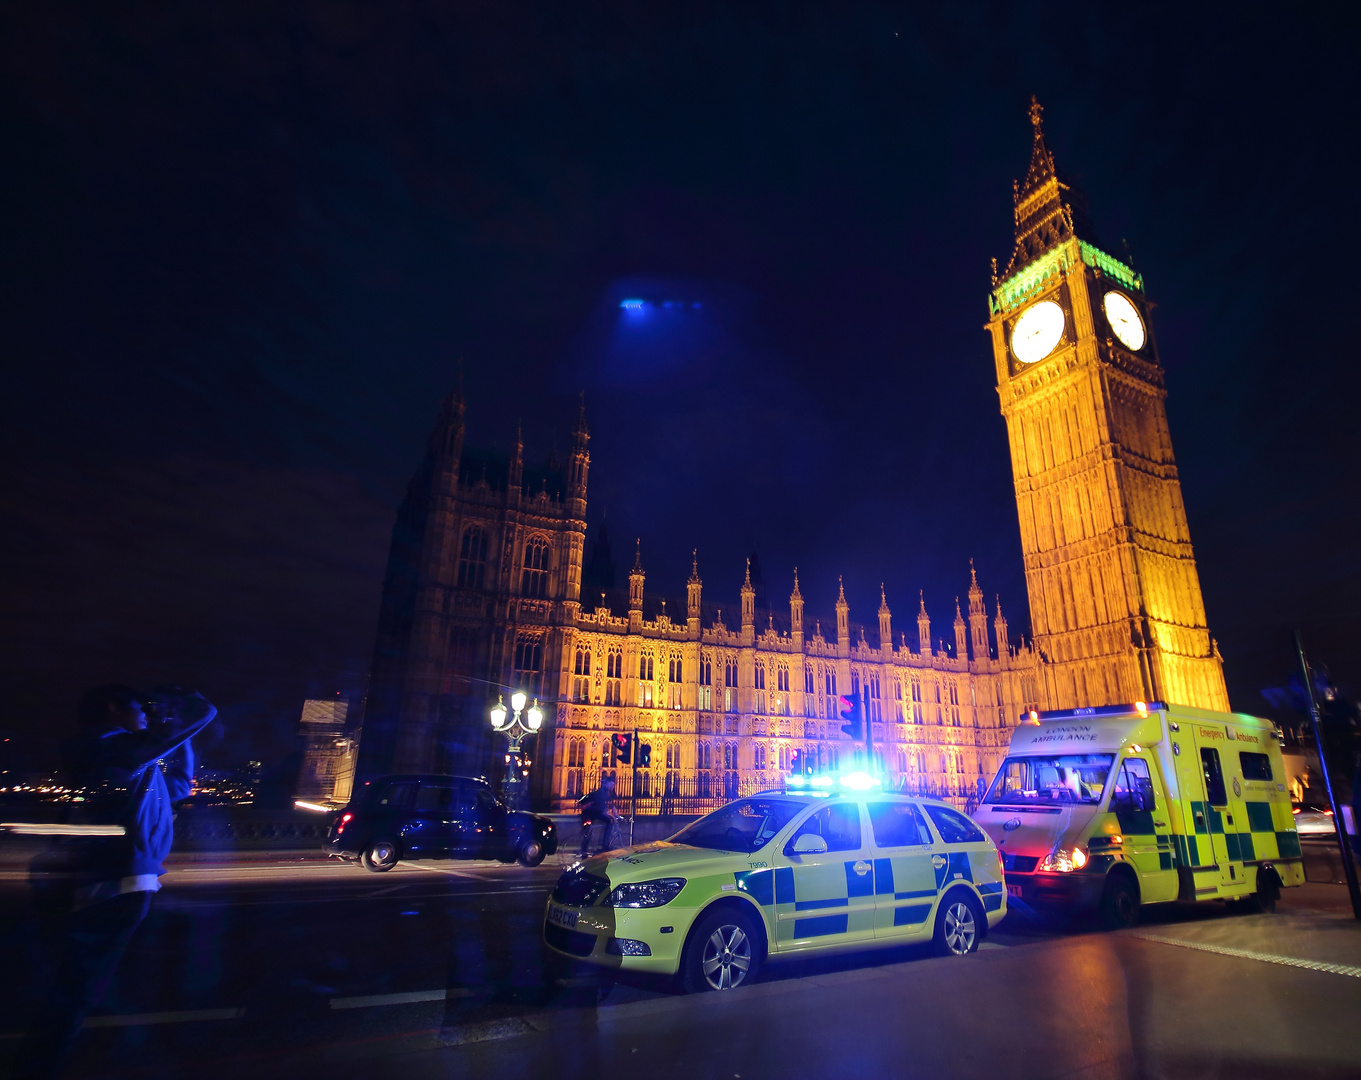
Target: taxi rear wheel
x=380, y=856
x=531, y=853
x=959, y=923
x=723, y=953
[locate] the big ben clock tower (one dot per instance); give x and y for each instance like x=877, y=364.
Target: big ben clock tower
x=1114, y=594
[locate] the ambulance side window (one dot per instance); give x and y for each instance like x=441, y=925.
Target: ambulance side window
x=1255, y=766
x=1133, y=787
x=1214, y=776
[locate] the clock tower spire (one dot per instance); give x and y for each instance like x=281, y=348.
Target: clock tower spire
x=1114, y=591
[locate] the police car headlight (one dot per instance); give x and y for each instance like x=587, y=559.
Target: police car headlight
x=640, y=894
x=1064, y=861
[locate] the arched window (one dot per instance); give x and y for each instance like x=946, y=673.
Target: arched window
x=529, y=665
x=472, y=558
x=760, y=758
x=534, y=576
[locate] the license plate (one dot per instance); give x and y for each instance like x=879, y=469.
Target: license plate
x=562, y=917
x=1014, y=890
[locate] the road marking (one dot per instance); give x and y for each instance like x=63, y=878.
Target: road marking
x=183, y=902
x=1266, y=958
x=188, y=1016
x=399, y=999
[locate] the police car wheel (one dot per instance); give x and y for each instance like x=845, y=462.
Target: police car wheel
x=380, y=856
x=957, y=925
x=723, y=952
x=531, y=853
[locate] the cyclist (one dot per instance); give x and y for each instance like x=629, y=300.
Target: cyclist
x=596, y=808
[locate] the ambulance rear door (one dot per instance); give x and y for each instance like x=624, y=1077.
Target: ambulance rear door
x=1201, y=850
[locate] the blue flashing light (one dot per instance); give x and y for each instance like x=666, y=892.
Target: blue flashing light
x=822, y=781
x=796, y=781
x=859, y=781
x=632, y=305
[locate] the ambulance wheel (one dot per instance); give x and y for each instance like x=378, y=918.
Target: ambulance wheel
x=959, y=925
x=1268, y=892
x=380, y=856
x=723, y=953
x=1119, y=904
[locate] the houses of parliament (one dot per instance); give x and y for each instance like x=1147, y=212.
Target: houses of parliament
x=489, y=587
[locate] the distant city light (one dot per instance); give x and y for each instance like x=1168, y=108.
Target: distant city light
x=635, y=304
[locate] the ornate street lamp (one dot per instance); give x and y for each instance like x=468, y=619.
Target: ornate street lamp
x=517, y=765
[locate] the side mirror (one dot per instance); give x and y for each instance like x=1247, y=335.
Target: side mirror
x=810, y=844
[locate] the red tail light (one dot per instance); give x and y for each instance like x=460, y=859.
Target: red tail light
x=343, y=819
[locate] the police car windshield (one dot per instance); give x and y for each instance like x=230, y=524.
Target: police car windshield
x=1062, y=778
x=746, y=825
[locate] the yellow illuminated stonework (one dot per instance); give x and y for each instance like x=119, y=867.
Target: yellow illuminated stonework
x=725, y=708
x=1115, y=601
x=488, y=590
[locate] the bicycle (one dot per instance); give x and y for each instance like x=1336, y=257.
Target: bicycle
x=614, y=835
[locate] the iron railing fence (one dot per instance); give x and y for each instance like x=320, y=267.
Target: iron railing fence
x=691, y=795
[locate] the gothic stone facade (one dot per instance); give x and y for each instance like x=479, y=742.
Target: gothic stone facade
x=483, y=597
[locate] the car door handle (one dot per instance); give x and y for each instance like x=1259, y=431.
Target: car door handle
x=1160, y=824
x=861, y=867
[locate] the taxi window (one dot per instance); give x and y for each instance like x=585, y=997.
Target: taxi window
x=898, y=824
x=838, y=824
x=436, y=797
x=397, y=795
x=953, y=826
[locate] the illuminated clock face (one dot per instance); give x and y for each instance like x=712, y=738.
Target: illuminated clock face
x=1037, y=331
x=1124, y=320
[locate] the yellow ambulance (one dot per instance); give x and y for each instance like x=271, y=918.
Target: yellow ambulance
x=1111, y=808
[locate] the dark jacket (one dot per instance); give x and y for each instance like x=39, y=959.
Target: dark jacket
x=124, y=763
x=595, y=806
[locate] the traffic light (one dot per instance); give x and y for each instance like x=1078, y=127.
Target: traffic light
x=796, y=763
x=623, y=747
x=644, y=755
x=854, y=715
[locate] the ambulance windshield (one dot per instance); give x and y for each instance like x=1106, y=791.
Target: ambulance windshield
x=746, y=825
x=1063, y=778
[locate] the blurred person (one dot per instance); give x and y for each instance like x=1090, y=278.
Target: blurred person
x=596, y=809
x=104, y=889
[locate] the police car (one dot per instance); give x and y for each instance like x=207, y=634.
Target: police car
x=779, y=875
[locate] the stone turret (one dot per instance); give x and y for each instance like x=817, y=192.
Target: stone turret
x=978, y=618
x=843, y=619
x=636, y=578
x=923, y=627
x=796, y=613
x=961, y=635
x=693, y=588
x=885, y=624
x=999, y=626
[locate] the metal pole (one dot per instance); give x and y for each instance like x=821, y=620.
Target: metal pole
x=869, y=728
x=633, y=785
x=1348, y=862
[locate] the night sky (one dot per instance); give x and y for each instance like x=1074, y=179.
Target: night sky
x=244, y=247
